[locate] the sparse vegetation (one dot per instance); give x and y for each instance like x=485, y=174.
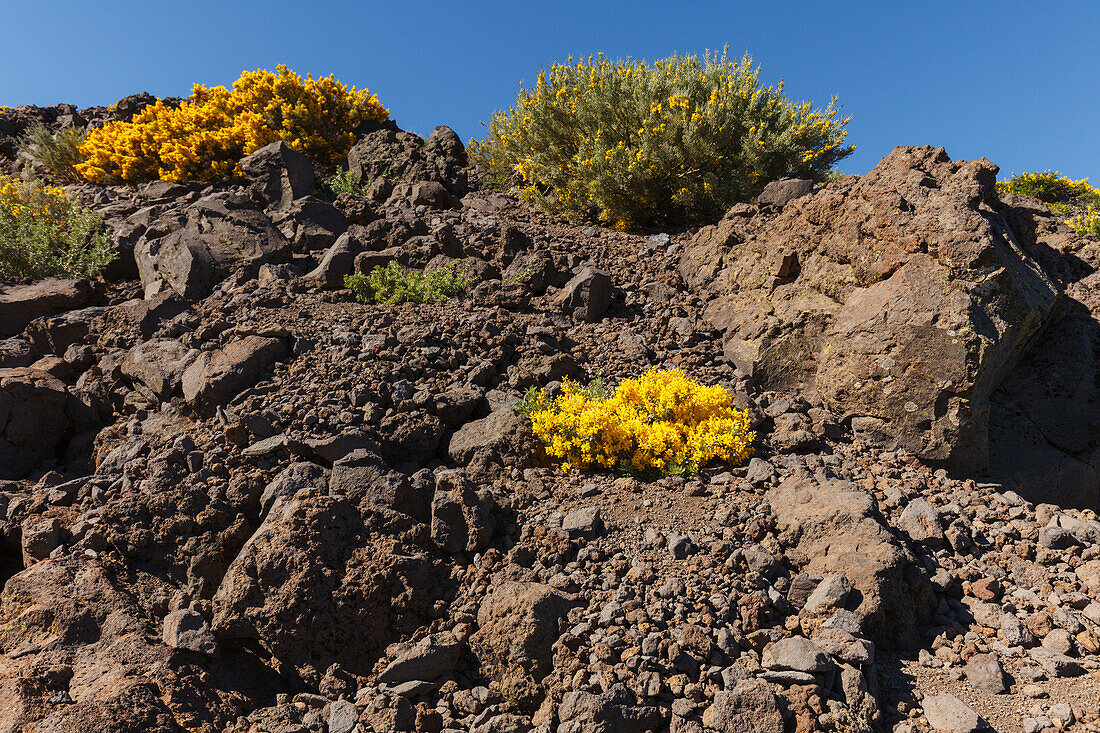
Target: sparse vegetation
x=58, y=153
x=393, y=284
x=45, y=232
x=676, y=141
x=345, y=181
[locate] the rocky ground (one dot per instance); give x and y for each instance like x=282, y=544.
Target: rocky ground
x=236, y=500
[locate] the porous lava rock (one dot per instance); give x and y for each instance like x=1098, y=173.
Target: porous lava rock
x=903, y=297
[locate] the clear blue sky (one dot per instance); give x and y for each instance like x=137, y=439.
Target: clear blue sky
x=1017, y=82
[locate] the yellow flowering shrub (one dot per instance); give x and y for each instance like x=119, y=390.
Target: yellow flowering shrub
x=45, y=232
x=675, y=141
x=1076, y=201
x=204, y=137
x=662, y=422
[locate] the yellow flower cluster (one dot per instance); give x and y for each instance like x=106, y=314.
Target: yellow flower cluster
x=626, y=139
x=1076, y=201
x=662, y=422
x=47, y=204
x=203, y=138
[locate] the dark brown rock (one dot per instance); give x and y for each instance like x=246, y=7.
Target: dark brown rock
x=518, y=623
x=21, y=304
x=215, y=377
x=903, y=297
x=278, y=173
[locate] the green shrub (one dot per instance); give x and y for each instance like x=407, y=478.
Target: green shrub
x=346, y=182
x=393, y=284
x=677, y=141
x=56, y=152
x=1076, y=201
x=45, y=232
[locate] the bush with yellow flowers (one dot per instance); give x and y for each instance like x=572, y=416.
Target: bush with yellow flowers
x=676, y=141
x=204, y=137
x=45, y=232
x=662, y=422
x=1076, y=201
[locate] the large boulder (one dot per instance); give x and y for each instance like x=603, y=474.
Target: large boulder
x=156, y=367
x=278, y=173
x=587, y=295
x=86, y=658
x=21, y=304
x=33, y=419
x=337, y=262
x=399, y=155
x=518, y=624
x=310, y=224
x=55, y=334
x=217, y=376
x=216, y=235
x=903, y=297
x=500, y=435
x=748, y=707
x=833, y=527
x=318, y=582
x=1044, y=427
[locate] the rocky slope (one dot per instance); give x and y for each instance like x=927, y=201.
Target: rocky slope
x=236, y=500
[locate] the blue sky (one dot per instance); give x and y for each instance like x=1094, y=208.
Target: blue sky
x=1017, y=82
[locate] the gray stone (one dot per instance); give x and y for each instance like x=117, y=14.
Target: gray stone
x=759, y=471
x=921, y=521
x=1054, y=663
x=34, y=417
x=337, y=262
x=588, y=295
x=278, y=173
x=779, y=193
x=518, y=624
x=750, y=707
x=1056, y=538
x=21, y=304
x=218, y=376
x=39, y=537
x=156, y=367
x=187, y=629
x=584, y=523
x=54, y=334
x=948, y=714
x=1014, y=631
x=426, y=660
x=796, y=653
x=290, y=480
x=460, y=519
x=830, y=594
x=984, y=672
x=213, y=237
x=1058, y=640
x=832, y=527
x=342, y=716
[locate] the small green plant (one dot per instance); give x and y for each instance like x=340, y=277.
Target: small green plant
x=346, y=182
x=55, y=152
x=534, y=399
x=1076, y=201
x=393, y=284
x=45, y=232
x=676, y=141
